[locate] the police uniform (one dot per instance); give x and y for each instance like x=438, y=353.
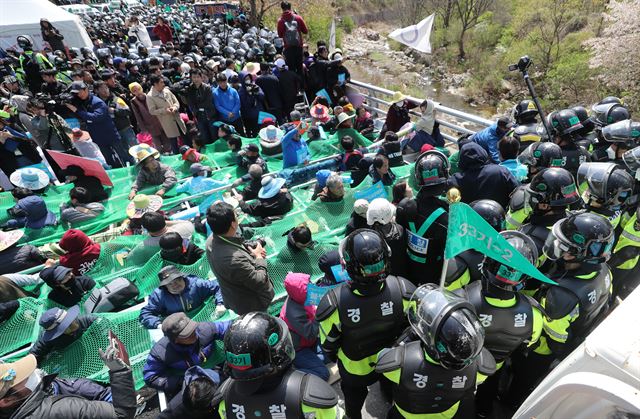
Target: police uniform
x=625, y=256
x=517, y=212
x=298, y=395
x=355, y=327
x=463, y=269
x=573, y=156
x=526, y=134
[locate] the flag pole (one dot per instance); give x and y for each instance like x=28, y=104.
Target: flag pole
x=453, y=196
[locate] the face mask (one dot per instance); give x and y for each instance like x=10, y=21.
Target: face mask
x=611, y=153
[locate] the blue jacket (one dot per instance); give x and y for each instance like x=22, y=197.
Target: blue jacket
x=227, y=101
x=162, y=303
x=95, y=114
x=251, y=105
x=488, y=139
x=167, y=362
x=517, y=169
x=293, y=152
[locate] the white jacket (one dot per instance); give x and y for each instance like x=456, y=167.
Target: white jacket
x=140, y=32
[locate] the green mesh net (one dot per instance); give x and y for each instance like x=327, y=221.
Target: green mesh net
x=22, y=328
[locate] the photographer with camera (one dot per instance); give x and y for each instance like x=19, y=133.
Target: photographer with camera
x=50, y=130
x=200, y=101
x=239, y=267
x=251, y=104
x=51, y=86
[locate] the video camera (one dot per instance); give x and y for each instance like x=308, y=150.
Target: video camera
x=523, y=64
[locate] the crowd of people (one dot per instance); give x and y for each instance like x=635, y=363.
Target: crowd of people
x=566, y=200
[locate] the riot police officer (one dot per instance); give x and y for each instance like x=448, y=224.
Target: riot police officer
x=31, y=64
x=465, y=267
x=510, y=319
x=625, y=257
x=362, y=316
x=526, y=130
x=565, y=126
x=588, y=135
x=259, y=356
x=435, y=368
x=605, y=188
x=536, y=157
x=621, y=136
x=425, y=218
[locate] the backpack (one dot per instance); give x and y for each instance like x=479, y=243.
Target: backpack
x=291, y=33
x=112, y=296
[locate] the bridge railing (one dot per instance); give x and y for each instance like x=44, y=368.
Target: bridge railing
x=376, y=102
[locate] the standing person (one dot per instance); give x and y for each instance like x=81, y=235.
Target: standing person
x=94, y=112
x=200, y=101
x=488, y=138
x=362, y=316
x=51, y=35
x=291, y=27
x=31, y=64
x=241, y=269
x=147, y=122
x=163, y=31
x=251, y=104
x=270, y=85
x=137, y=29
x=290, y=85
x=227, y=102
x=163, y=104
x=119, y=111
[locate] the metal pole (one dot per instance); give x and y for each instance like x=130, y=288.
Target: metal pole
x=532, y=91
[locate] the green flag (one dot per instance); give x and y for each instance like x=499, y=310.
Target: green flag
x=468, y=230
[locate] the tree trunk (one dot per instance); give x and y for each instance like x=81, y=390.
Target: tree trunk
x=461, y=52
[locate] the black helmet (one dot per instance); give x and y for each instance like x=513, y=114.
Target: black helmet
x=25, y=42
x=631, y=159
x=588, y=237
x=447, y=325
x=564, y=122
x=229, y=52
x=431, y=168
x=553, y=186
x=583, y=115
x=525, y=109
x=542, y=154
x=506, y=277
x=609, y=113
x=366, y=256
x=625, y=133
x=611, y=99
x=491, y=211
x=605, y=183
x=257, y=345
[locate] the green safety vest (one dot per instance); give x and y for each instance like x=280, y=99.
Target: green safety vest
x=629, y=236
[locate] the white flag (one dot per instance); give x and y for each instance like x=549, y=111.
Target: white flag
x=415, y=36
x=332, y=35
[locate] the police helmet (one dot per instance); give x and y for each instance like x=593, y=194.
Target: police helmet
x=611, y=99
x=540, y=155
x=625, y=133
x=605, y=184
x=505, y=277
x=431, y=169
x=25, y=42
x=525, y=109
x=447, y=325
x=257, y=345
x=585, y=120
x=228, y=52
x=564, y=122
x=365, y=255
x=609, y=113
x=586, y=236
x=491, y=211
x=553, y=186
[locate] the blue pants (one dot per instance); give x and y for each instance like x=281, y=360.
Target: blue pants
x=82, y=387
x=128, y=136
x=307, y=360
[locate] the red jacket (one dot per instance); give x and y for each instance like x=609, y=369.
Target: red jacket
x=163, y=32
x=287, y=16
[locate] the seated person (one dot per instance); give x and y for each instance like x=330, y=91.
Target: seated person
x=61, y=329
x=156, y=227
x=426, y=129
x=194, y=401
x=36, y=180
x=199, y=181
x=249, y=155
x=301, y=320
x=15, y=258
x=12, y=286
x=363, y=122
x=358, y=217
x=186, y=343
x=294, y=149
x=326, y=263
x=380, y=171
x=178, y=292
x=80, y=208
x=75, y=174
x=67, y=289
x=401, y=190
x=299, y=238
x=334, y=189
x=253, y=180
x=30, y=212
x=80, y=252
x=152, y=172
x=348, y=161
x=191, y=155
x=509, y=148
x=392, y=149
x=273, y=199
x=8, y=309
x=175, y=249
x=228, y=133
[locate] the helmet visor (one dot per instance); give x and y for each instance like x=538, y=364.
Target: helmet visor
x=631, y=159
x=625, y=131
x=460, y=339
x=593, y=177
x=427, y=306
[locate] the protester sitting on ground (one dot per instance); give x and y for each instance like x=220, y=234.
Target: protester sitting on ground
x=488, y=138
x=175, y=249
x=426, y=129
x=249, y=155
x=319, y=114
x=75, y=174
x=398, y=114
x=509, y=148
x=400, y=191
x=191, y=155
x=61, y=329
x=299, y=238
x=333, y=190
x=300, y=317
x=363, y=122
x=253, y=181
x=273, y=199
x=240, y=268
x=152, y=172
x=380, y=217
x=185, y=344
x=196, y=400
x=327, y=263
x=80, y=252
x=15, y=258
x=380, y=171
x=80, y=208
x=177, y=292
x=392, y=149
x=30, y=212
x=294, y=149
x=156, y=227
x=67, y=289
x=358, y=217
x=48, y=399
x=348, y=161
x=199, y=182
x=35, y=180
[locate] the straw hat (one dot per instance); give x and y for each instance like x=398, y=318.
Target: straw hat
x=271, y=134
x=397, y=97
x=9, y=238
x=13, y=373
x=142, y=203
x=30, y=178
x=141, y=152
x=344, y=117
x=251, y=68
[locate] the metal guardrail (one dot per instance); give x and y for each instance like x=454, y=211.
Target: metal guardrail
x=371, y=97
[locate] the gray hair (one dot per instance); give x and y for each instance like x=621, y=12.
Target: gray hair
x=255, y=171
